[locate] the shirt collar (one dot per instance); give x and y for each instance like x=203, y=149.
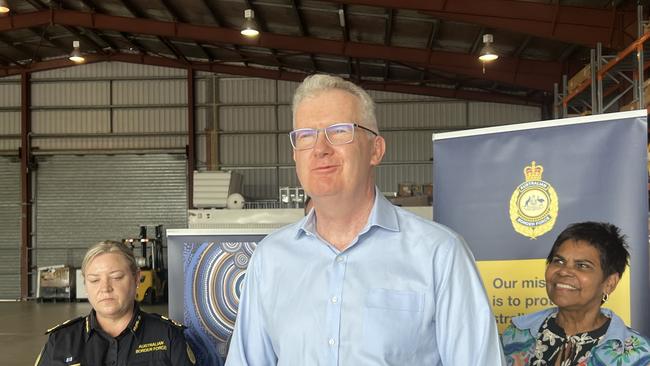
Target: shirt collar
x=532, y=322
x=91, y=324
x=383, y=214
x=617, y=329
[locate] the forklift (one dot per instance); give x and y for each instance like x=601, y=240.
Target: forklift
x=148, y=254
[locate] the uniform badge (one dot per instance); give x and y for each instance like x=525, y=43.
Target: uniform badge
x=533, y=204
x=190, y=355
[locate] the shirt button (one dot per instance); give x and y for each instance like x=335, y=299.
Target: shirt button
x=331, y=342
x=335, y=300
x=340, y=259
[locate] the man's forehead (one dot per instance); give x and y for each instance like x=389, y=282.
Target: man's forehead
x=332, y=108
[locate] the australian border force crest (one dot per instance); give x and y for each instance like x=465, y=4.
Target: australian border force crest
x=533, y=204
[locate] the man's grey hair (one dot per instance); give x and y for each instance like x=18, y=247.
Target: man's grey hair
x=109, y=246
x=316, y=84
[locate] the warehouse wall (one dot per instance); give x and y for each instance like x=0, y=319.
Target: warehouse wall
x=82, y=199
x=110, y=142
x=254, y=117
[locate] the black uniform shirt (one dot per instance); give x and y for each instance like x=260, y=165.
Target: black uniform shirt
x=149, y=339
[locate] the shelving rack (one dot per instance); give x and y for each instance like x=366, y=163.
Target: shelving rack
x=612, y=77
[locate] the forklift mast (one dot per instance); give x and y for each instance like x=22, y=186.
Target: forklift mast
x=143, y=245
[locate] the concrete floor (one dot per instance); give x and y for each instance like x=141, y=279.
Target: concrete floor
x=23, y=324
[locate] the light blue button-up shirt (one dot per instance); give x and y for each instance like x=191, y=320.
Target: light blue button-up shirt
x=405, y=292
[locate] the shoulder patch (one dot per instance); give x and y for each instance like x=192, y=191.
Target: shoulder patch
x=66, y=323
x=166, y=319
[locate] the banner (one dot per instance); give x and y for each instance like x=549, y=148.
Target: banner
x=510, y=190
x=207, y=269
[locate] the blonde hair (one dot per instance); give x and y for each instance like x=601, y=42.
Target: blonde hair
x=316, y=84
x=109, y=246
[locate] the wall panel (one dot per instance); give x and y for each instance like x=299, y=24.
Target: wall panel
x=153, y=92
x=285, y=150
x=71, y=121
x=494, y=114
x=84, y=199
x=150, y=120
x=9, y=123
x=285, y=118
x=407, y=146
x=247, y=118
x=10, y=213
x=421, y=115
x=70, y=93
x=286, y=89
x=248, y=149
x=9, y=94
x=246, y=91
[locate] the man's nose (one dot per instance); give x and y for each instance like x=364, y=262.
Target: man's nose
x=322, y=145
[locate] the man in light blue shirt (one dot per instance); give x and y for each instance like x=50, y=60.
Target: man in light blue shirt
x=358, y=281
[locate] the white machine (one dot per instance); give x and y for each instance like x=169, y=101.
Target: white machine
x=55, y=283
x=261, y=218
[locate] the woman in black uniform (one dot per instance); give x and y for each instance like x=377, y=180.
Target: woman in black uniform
x=116, y=332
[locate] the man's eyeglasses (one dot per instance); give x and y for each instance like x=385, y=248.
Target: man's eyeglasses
x=336, y=134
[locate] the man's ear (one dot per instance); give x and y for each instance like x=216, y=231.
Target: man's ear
x=378, y=150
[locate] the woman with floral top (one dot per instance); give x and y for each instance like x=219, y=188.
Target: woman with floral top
x=585, y=264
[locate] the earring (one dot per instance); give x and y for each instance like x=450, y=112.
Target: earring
x=605, y=297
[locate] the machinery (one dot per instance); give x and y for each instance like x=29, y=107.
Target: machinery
x=56, y=283
x=148, y=254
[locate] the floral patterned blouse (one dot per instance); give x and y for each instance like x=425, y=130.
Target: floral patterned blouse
x=552, y=343
x=536, y=340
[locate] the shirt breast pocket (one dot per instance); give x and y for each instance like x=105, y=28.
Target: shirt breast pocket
x=392, y=321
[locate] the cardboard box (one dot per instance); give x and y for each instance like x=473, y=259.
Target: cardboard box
x=629, y=107
x=410, y=201
x=579, y=78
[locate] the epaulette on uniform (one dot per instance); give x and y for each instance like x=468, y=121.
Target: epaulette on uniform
x=66, y=323
x=172, y=321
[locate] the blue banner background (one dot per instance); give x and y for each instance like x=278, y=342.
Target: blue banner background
x=597, y=165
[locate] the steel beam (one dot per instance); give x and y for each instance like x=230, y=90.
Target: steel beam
x=25, y=185
x=165, y=42
x=275, y=75
x=532, y=74
x=572, y=24
x=295, y=4
x=191, y=138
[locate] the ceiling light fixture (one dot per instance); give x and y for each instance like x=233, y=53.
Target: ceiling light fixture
x=487, y=53
x=342, y=18
x=76, y=56
x=249, y=29
x=4, y=7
